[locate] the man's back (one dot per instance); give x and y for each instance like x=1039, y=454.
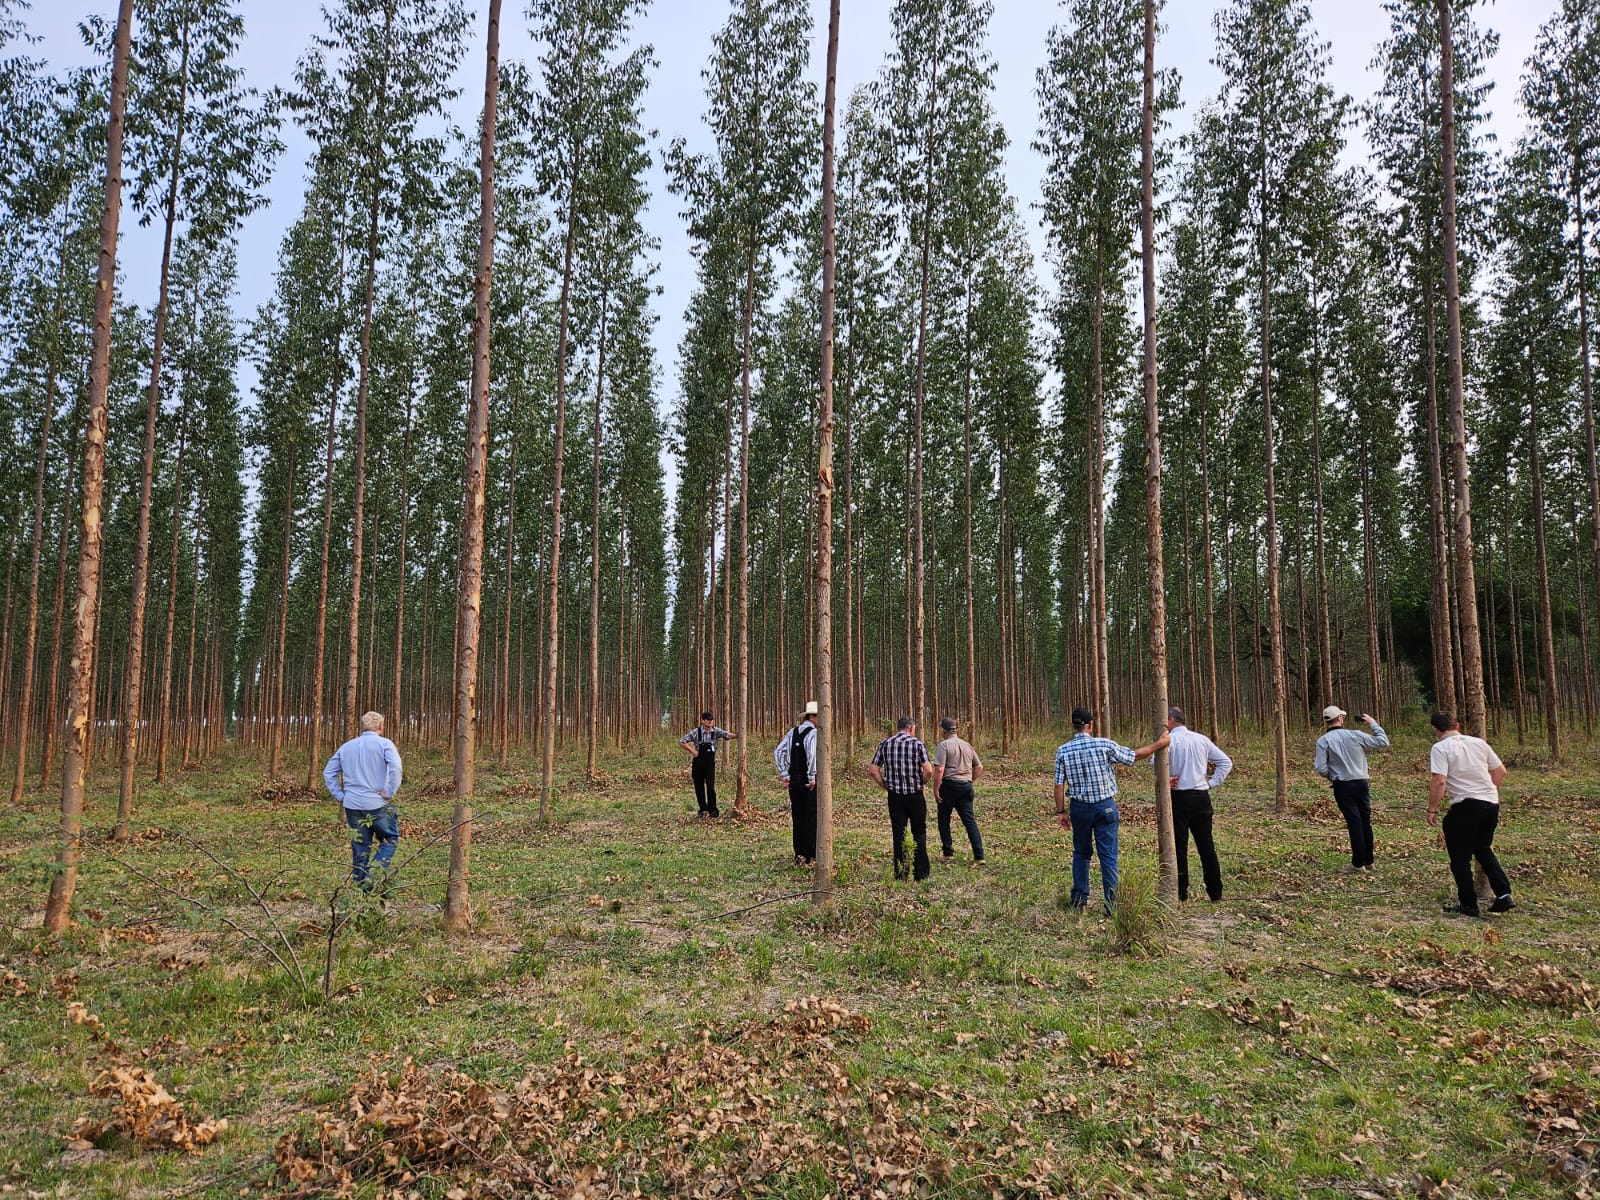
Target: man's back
x=957, y=757
x=365, y=772
x=1190, y=756
x=900, y=757
x=1342, y=753
x=1083, y=766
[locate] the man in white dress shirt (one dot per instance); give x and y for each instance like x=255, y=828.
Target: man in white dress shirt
x=1197, y=766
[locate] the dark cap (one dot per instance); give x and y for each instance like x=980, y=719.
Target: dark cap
x=1082, y=717
x=948, y=724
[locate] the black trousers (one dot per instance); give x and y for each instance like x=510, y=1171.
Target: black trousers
x=1469, y=833
x=909, y=808
x=1354, y=798
x=803, y=818
x=1192, y=814
x=955, y=796
x=703, y=767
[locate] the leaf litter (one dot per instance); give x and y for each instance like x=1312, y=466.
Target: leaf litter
x=743, y=1111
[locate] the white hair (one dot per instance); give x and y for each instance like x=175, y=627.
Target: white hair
x=371, y=722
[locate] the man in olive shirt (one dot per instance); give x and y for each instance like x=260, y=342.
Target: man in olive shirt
x=956, y=767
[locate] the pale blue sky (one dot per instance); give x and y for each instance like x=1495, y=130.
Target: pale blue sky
x=277, y=31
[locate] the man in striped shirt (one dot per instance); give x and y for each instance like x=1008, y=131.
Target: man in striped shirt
x=701, y=743
x=796, y=757
x=1084, y=774
x=900, y=767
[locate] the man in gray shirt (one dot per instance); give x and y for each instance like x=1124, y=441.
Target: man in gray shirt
x=1342, y=761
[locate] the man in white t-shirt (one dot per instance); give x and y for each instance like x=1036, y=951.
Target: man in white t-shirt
x=1468, y=772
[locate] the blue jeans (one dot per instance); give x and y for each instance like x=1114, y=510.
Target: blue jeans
x=365, y=825
x=1094, y=830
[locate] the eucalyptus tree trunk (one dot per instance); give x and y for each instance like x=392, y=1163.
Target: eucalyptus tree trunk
x=1541, y=571
x=1205, y=546
x=1466, y=585
x=189, y=721
x=279, y=716
x=57, y=915
x=503, y=721
x=919, y=683
x=395, y=692
x=594, y=559
x=1592, y=469
x=1279, y=731
x=558, y=450
x=1515, y=626
x=1324, y=619
x=52, y=706
x=1099, y=631
x=822, y=878
x=1369, y=561
x=1166, y=845
x=741, y=795
x=319, y=655
x=469, y=595
x=971, y=695
x=133, y=671
x=164, y=705
x=363, y=380
x=30, y=638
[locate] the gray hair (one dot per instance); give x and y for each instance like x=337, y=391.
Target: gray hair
x=371, y=722
x=1176, y=714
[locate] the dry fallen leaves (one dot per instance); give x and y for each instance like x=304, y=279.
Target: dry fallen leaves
x=729, y=1112
x=146, y=1112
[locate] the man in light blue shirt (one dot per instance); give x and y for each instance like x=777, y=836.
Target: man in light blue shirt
x=1191, y=759
x=363, y=776
x=1342, y=761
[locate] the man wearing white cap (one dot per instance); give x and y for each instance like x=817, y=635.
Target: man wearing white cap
x=1342, y=761
x=796, y=757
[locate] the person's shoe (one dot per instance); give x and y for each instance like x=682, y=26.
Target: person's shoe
x=978, y=862
x=1456, y=910
x=1503, y=904
x=947, y=859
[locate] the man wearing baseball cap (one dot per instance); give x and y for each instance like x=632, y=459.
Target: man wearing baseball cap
x=1342, y=761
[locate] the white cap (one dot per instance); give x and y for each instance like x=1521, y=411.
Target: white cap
x=1333, y=712
x=811, y=708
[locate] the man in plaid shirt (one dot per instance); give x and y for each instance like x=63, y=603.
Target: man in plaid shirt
x=1084, y=773
x=900, y=767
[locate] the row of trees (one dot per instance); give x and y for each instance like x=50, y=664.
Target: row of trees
x=1339, y=343
x=1335, y=339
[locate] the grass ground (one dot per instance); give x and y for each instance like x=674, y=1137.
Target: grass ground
x=639, y=1009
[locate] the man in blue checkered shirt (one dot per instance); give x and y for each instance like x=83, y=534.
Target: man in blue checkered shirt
x=1084, y=773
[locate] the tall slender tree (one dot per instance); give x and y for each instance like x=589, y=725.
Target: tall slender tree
x=457, y=912
x=63, y=882
x=749, y=197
